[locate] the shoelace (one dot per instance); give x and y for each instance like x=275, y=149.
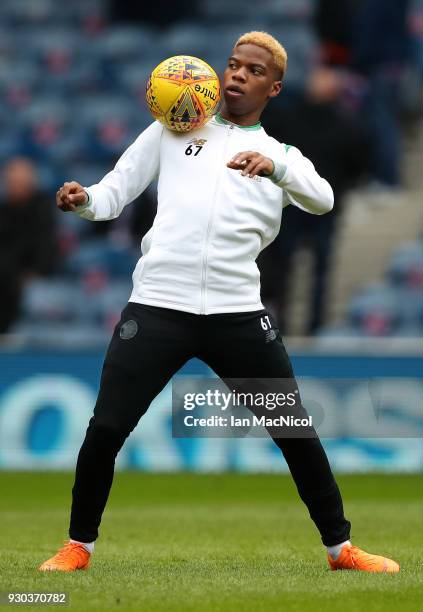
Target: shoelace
x=64, y=551
x=356, y=552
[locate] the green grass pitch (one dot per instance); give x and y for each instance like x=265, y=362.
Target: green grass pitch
x=191, y=542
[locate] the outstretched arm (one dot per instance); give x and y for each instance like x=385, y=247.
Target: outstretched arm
x=294, y=173
x=134, y=171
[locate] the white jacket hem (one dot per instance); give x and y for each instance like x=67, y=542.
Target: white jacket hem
x=193, y=310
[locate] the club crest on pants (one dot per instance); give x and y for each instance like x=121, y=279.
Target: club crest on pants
x=128, y=330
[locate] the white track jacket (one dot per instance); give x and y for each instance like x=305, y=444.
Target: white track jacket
x=211, y=224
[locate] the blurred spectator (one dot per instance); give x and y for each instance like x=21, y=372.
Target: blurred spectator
x=27, y=240
x=380, y=35
x=372, y=37
x=336, y=143
x=381, y=51
x=333, y=25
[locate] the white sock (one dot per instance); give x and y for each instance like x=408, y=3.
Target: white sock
x=335, y=551
x=89, y=546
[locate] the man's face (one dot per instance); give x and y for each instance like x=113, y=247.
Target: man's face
x=250, y=79
x=20, y=179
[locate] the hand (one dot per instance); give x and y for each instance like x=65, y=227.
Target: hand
x=70, y=196
x=252, y=163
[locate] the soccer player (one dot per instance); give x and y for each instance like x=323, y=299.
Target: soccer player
x=196, y=288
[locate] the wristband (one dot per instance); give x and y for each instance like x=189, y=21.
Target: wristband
x=279, y=170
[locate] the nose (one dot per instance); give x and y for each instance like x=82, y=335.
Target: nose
x=240, y=75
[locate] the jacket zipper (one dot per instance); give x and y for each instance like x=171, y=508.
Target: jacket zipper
x=209, y=227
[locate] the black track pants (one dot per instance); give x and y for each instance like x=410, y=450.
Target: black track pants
x=148, y=346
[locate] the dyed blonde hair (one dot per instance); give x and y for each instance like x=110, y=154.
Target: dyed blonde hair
x=266, y=41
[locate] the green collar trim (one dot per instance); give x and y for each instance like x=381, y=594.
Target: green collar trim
x=220, y=119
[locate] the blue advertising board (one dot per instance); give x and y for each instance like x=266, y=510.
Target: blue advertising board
x=47, y=398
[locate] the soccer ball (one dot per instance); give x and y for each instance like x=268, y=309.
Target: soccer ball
x=183, y=93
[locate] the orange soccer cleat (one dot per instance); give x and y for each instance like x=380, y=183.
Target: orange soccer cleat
x=353, y=558
x=69, y=558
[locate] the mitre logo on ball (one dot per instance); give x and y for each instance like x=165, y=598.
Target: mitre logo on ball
x=183, y=93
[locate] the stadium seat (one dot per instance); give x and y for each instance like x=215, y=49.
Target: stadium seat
x=134, y=76
x=82, y=77
x=412, y=306
x=103, y=306
x=19, y=83
x=5, y=19
x=274, y=10
x=407, y=331
x=9, y=47
x=376, y=311
x=46, y=108
x=50, y=176
x=133, y=80
x=56, y=50
x=50, y=130
x=4, y=117
x=406, y=266
x=29, y=12
x=87, y=173
x=224, y=11
x=100, y=258
x=10, y=144
x=61, y=335
x=110, y=125
x=88, y=15
x=121, y=45
x=65, y=57
x=70, y=230
x=91, y=258
x=49, y=301
x=38, y=13
x=187, y=38
x=286, y=11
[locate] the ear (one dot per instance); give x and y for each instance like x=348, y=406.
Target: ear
x=276, y=89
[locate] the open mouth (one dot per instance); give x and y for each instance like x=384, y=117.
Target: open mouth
x=235, y=91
